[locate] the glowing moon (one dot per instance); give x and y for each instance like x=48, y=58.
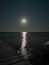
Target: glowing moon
x=23, y=20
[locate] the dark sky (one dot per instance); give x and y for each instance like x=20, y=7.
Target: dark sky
x=35, y=11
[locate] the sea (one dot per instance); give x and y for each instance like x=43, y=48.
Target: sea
x=36, y=45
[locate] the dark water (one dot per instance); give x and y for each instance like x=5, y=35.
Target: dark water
x=35, y=44
x=12, y=38
x=15, y=38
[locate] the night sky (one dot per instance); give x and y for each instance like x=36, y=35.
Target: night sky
x=36, y=13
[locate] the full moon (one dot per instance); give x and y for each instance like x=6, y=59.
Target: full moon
x=23, y=20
